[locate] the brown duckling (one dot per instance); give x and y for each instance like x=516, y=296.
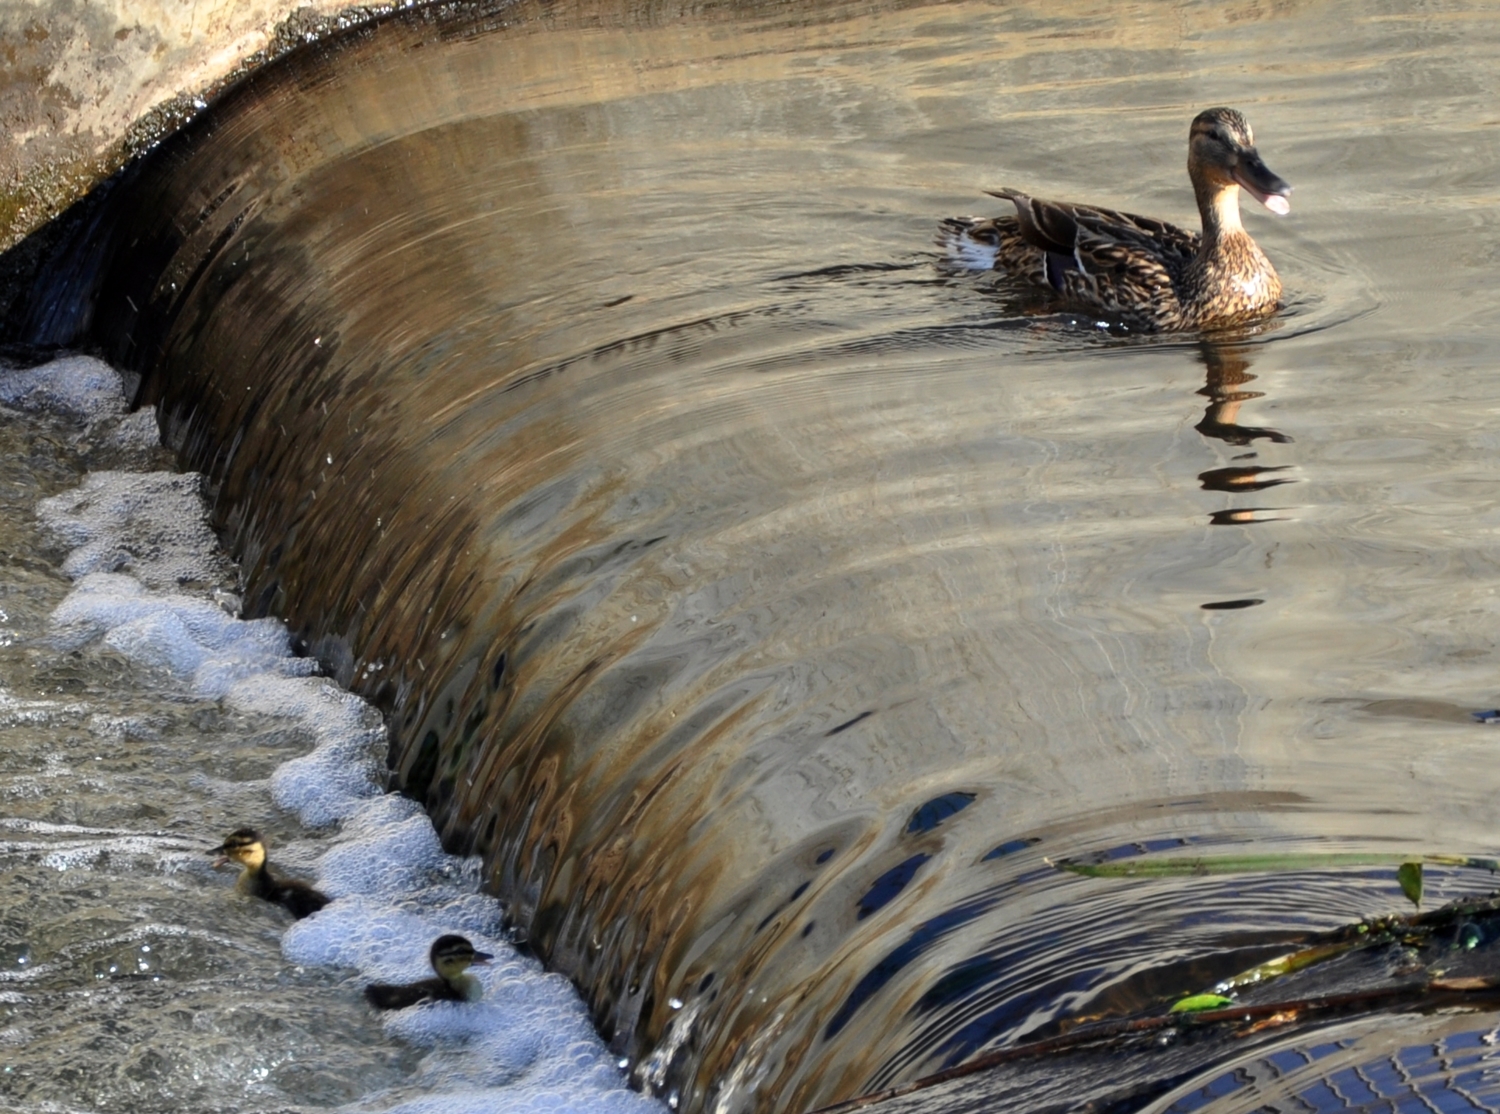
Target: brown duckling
x=246, y=847
x=1148, y=271
x=451, y=956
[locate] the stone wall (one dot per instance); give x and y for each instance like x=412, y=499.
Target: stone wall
x=84, y=84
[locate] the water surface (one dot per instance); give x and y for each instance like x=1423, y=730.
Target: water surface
x=766, y=602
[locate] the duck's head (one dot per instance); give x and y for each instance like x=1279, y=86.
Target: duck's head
x=1221, y=154
x=243, y=846
x=452, y=955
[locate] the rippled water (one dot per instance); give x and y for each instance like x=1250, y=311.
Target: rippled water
x=130, y=980
x=136, y=981
x=767, y=602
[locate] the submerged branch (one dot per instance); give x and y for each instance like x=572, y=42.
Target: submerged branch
x=1174, y=867
x=1437, y=993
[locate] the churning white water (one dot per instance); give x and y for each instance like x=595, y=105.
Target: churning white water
x=134, y=977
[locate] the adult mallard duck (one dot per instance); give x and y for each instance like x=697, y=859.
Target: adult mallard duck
x=246, y=847
x=1150, y=273
x=451, y=957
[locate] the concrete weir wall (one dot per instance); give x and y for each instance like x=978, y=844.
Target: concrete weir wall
x=86, y=84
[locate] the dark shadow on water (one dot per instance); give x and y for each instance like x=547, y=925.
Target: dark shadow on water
x=1250, y=477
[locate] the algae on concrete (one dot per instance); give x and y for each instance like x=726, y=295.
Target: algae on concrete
x=87, y=84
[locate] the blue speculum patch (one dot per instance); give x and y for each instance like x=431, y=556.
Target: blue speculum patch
x=935, y=811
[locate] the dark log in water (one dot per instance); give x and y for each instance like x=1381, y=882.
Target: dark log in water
x=760, y=600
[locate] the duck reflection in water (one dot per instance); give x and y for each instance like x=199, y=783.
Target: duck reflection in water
x=451, y=957
x=1228, y=365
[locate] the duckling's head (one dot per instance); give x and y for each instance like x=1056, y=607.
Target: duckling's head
x=1222, y=154
x=452, y=955
x=243, y=846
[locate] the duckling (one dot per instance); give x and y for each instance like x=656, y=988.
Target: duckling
x=1155, y=274
x=450, y=957
x=246, y=847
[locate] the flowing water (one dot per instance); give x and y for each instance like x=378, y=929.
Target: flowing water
x=130, y=983
x=765, y=601
x=140, y=715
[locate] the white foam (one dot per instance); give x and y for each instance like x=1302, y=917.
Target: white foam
x=395, y=858
x=186, y=635
x=152, y=525
x=78, y=387
x=527, y=1045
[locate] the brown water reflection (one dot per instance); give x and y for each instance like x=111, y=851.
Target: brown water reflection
x=764, y=602
x=1228, y=372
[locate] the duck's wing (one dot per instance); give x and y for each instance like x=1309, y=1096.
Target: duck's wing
x=300, y=899
x=1097, y=242
x=386, y=996
x=1050, y=226
x=293, y=895
x=1121, y=262
x=1060, y=226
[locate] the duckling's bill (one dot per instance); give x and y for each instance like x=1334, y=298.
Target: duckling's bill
x=220, y=854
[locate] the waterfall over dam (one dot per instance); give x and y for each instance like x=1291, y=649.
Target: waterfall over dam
x=768, y=606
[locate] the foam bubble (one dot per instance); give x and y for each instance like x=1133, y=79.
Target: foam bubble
x=395, y=860
x=342, y=771
x=527, y=1045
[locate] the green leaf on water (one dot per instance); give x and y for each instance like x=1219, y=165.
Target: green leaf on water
x=1197, y=1003
x=1410, y=877
x=1287, y=964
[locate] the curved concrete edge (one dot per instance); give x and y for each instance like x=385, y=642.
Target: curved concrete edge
x=85, y=85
